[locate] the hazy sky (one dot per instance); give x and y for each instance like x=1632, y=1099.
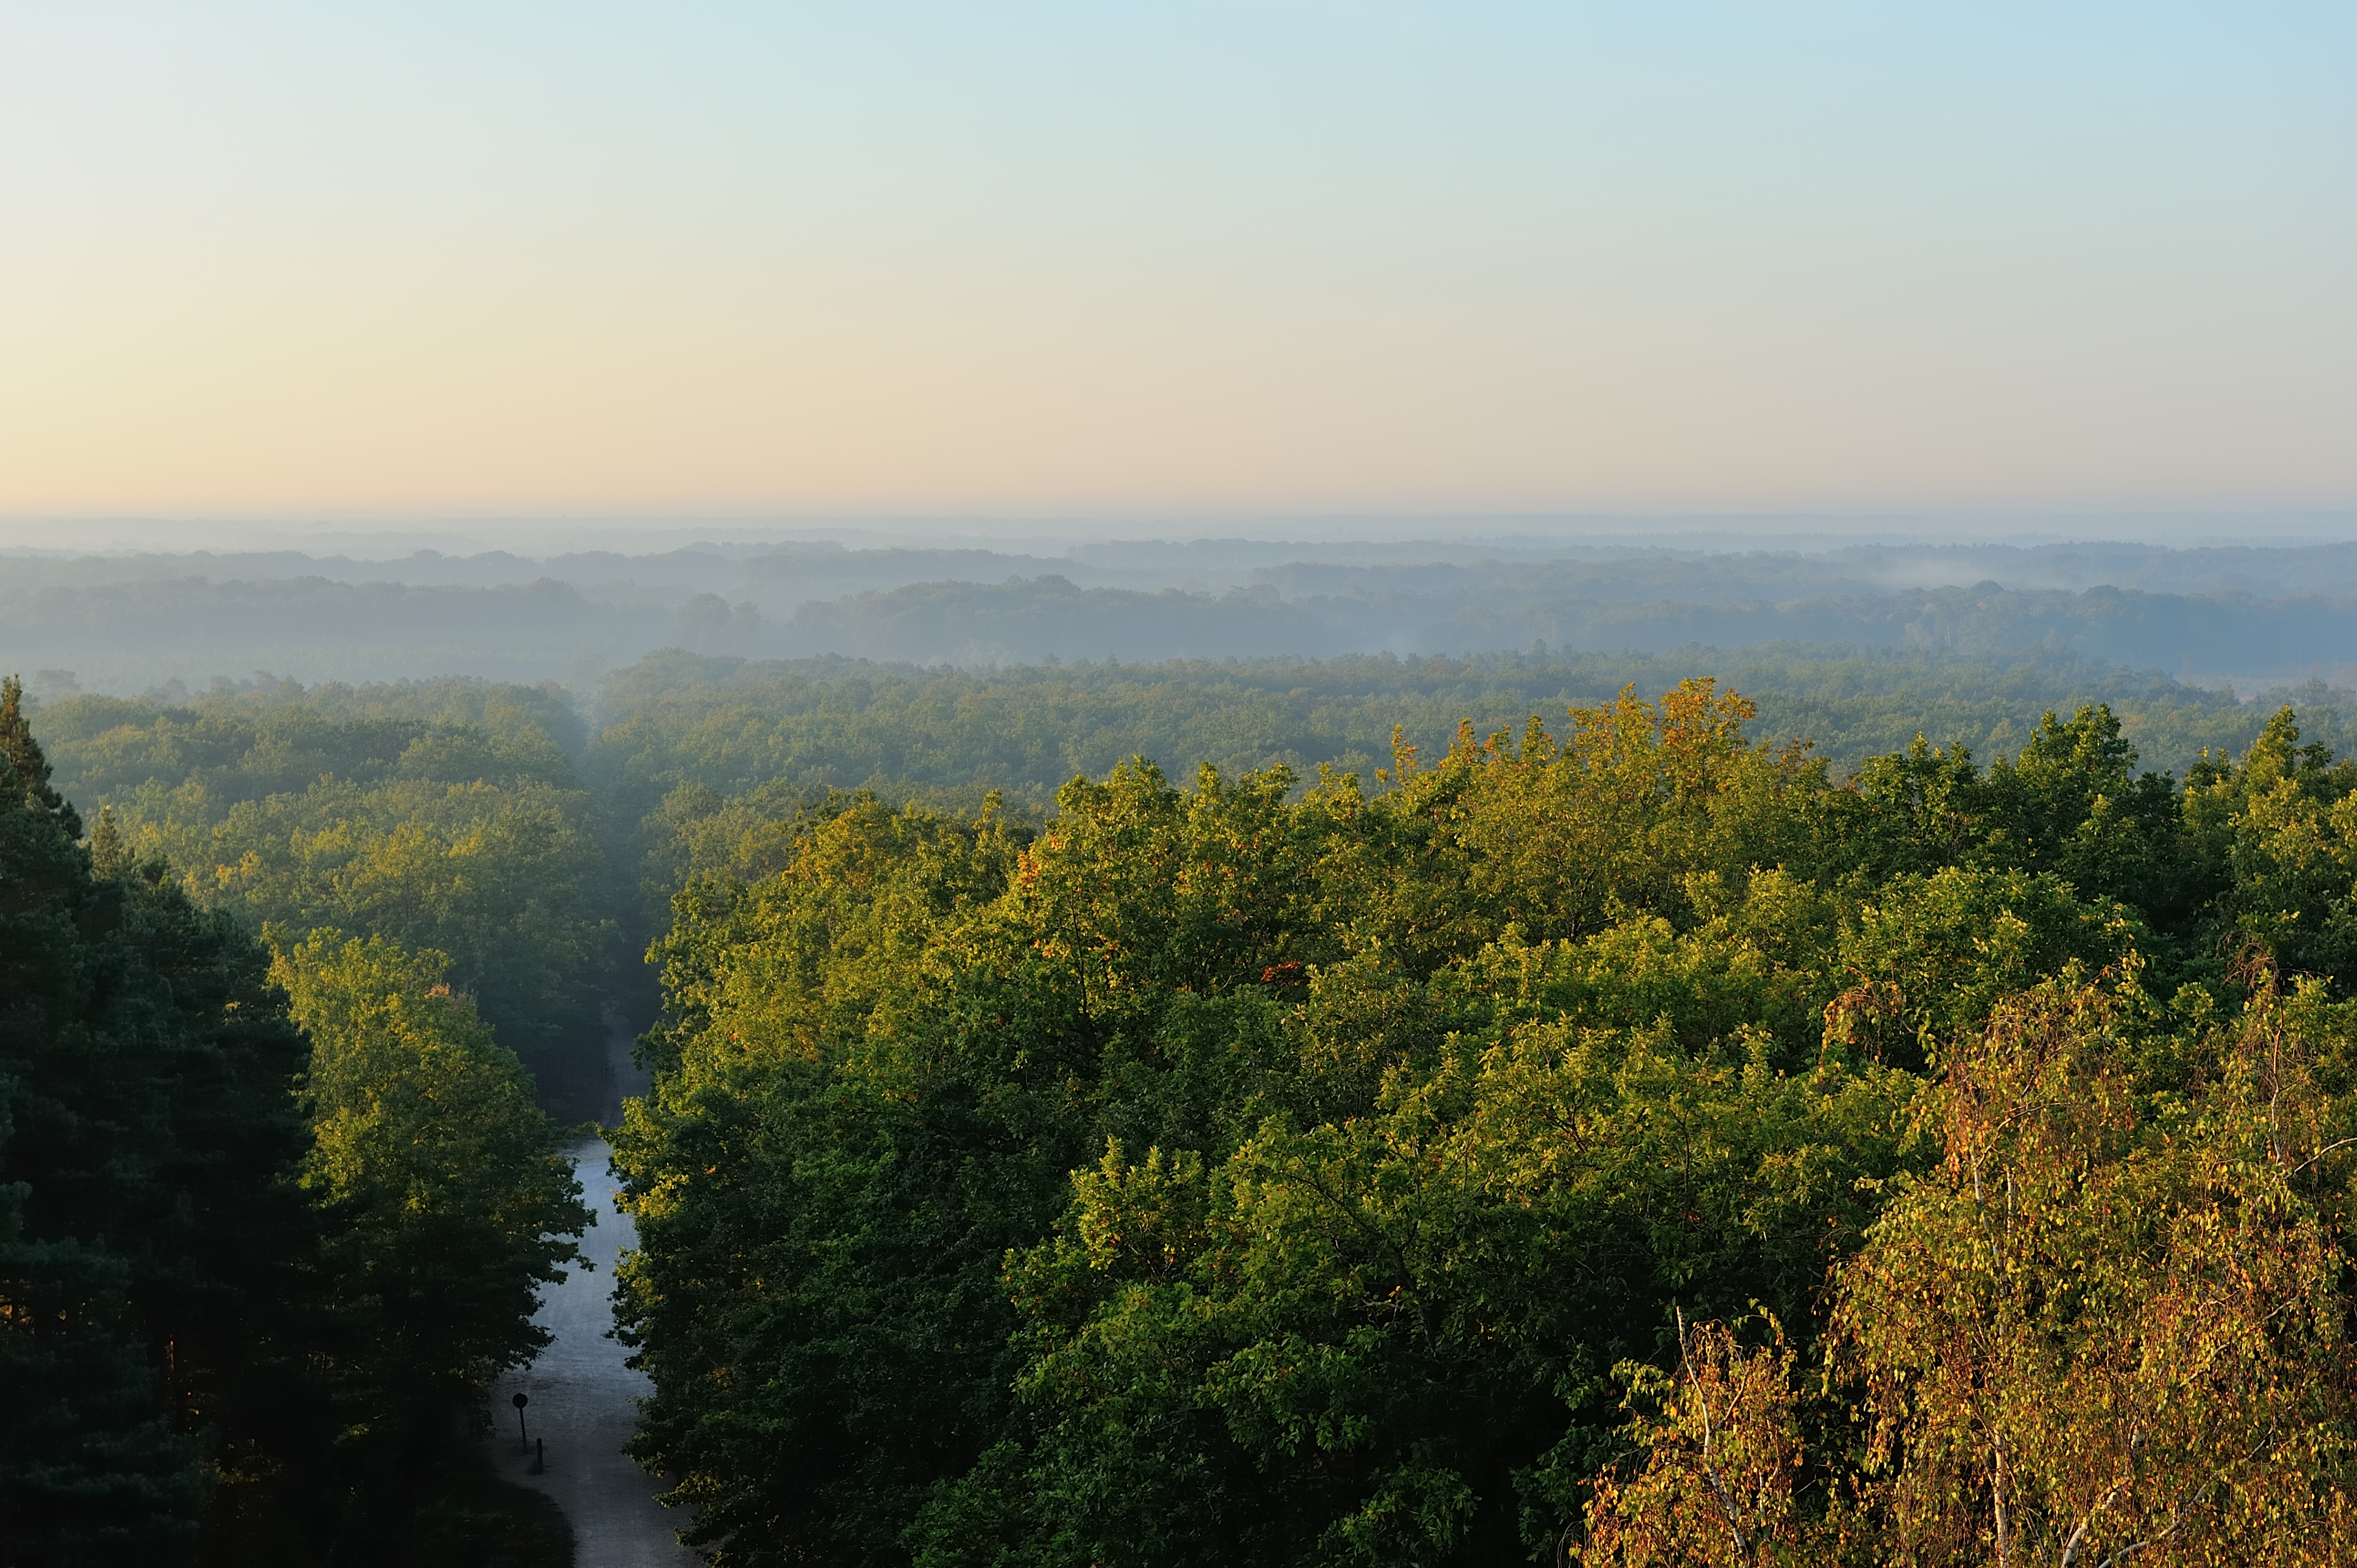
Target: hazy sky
x=1291, y=254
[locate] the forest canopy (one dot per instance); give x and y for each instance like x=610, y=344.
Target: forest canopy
x=1620, y=1138
x=537, y=836
x=1462, y=1111
x=444, y=816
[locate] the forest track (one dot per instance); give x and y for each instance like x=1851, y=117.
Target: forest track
x=583, y=1399
x=584, y=1407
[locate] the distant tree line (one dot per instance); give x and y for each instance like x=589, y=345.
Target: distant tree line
x=140, y=623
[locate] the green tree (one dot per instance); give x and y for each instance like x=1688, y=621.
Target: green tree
x=26, y=767
x=2284, y=820
x=825, y=1181
x=447, y=1199
x=152, y=1244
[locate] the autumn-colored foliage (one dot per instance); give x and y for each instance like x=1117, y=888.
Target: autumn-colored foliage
x=1720, y=1453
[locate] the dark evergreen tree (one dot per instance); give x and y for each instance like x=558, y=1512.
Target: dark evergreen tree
x=26, y=768
x=151, y=1243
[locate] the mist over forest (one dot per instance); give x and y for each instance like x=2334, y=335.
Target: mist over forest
x=1182, y=1054
x=123, y=623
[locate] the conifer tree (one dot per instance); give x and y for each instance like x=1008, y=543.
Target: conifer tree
x=150, y=1239
x=21, y=757
x=106, y=845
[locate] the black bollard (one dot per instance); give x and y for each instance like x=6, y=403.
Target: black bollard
x=539, y=1456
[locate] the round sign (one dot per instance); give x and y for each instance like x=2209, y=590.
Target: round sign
x=519, y=1400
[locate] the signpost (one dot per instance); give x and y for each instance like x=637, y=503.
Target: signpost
x=521, y=1400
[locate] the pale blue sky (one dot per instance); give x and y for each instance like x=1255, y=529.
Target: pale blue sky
x=1261, y=256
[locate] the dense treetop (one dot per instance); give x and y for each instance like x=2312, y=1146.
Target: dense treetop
x=1490, y=1157
x=539, y=841
x=444, y=815
x=728, y=724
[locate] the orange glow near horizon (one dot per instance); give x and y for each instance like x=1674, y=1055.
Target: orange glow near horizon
x=1588, y=267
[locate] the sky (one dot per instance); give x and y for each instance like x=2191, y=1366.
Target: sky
x=1233, y=257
